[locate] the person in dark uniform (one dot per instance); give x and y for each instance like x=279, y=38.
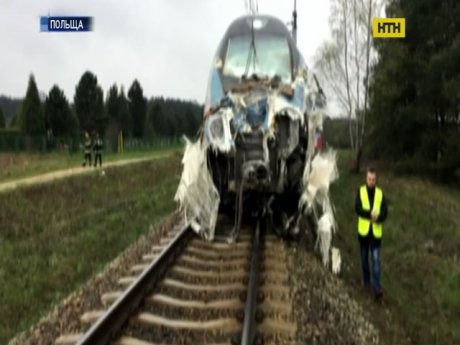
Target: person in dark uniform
x=97, y=151
x=372, y=210
x=87, y=150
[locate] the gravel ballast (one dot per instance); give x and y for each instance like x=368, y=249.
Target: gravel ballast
x=325, y=312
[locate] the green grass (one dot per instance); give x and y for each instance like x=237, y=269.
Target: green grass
x=54, y=237
x=421, y=282
x=21, y=165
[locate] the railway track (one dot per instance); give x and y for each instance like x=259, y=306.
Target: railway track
x=188, y=291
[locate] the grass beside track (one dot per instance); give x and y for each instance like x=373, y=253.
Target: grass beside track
x=20, y=165
x=420, y=257
x=54, y=237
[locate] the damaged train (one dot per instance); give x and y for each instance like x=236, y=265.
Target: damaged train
x=256, y=149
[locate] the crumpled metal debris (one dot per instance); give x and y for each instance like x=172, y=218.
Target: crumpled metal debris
x=336, y=260
x=196, y=193
x=257, y=109
x=320, y=171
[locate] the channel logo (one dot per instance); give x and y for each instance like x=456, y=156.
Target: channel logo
x=389, y=28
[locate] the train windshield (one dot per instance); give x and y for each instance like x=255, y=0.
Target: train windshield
x=272, y=57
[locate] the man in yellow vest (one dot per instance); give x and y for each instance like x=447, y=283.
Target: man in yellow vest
x=372, y=210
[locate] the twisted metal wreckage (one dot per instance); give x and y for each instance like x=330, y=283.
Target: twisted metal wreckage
x=257, y=147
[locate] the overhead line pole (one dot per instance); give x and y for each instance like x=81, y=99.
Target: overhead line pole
x=294, y=22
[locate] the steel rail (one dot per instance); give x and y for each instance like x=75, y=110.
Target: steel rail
x=250, y=309
x=102, y=332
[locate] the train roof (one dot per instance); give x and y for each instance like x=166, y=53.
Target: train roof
x=268, y=25
x=263, y=25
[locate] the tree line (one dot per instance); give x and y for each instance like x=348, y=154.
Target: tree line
x=415, y=89
x=8, y=107
x=400, y=96
x=128, y=112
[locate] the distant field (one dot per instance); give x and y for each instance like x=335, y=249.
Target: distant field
x=20, y=165
x=53, y=237
x=420, y=257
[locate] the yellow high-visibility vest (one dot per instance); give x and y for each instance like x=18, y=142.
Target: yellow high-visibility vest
x=363, y=223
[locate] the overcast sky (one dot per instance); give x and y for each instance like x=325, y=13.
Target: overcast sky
x=167, y=45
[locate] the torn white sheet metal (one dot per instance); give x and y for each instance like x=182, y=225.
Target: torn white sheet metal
x=336, y=260
x=318, y=175
x=324, y=236
x=294, y=108
x=217, y=126
x=316, y=181
x=196, y=193
x=320, y=171
x=217, y=130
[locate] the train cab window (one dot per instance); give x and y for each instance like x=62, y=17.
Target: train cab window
x=272, y=57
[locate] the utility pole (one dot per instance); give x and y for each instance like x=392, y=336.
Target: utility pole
x=294, y=22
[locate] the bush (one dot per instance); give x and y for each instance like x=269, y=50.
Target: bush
x=336, y=133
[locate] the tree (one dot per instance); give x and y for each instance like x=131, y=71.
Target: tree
x=174, y=117
x=89, y=104
x=345, y=63
x=117, y=108
x=149, y=131
x=14, y=122
x=75, y=125
x=137, y=108
x=58, y=117
x=158, y=120
x=415, y=85
x=2, y=119
x=124, y=114
x=112, y=103
x=31, y=119
x=10, y=107
x=190, y=122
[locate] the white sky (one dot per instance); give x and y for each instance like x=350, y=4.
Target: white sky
x=167, y=45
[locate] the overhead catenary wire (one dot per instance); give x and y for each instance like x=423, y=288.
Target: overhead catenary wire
x=252, y=52
x=252, y=7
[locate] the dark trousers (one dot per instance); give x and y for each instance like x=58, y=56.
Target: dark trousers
x=87, y=158
x=366, y=245
x=98, y=157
